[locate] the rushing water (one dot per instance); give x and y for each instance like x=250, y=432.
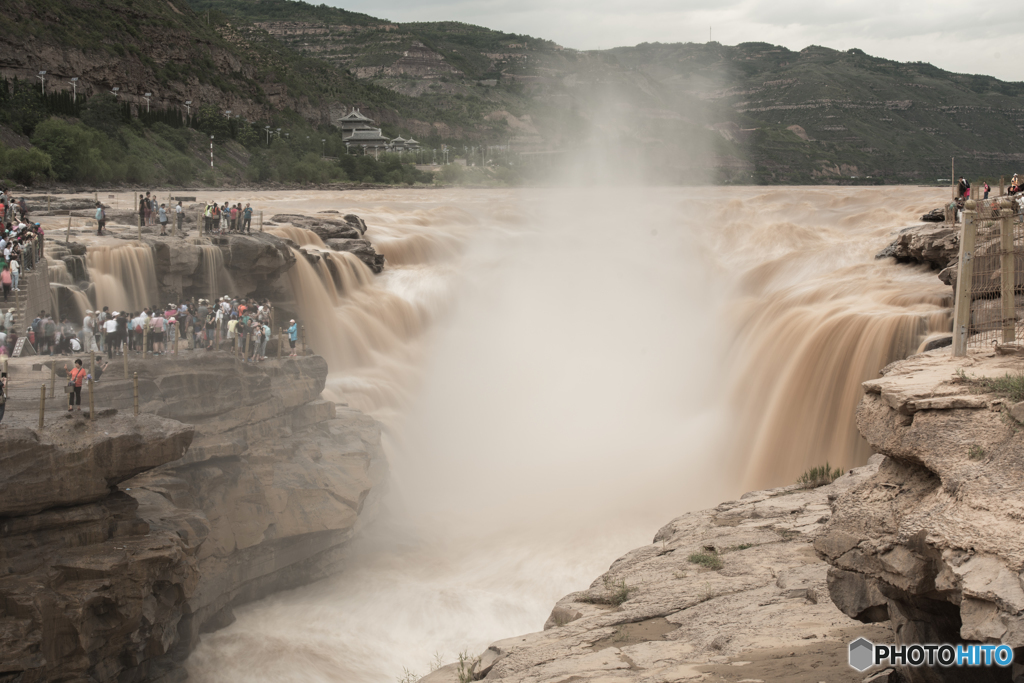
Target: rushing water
x=560, y=373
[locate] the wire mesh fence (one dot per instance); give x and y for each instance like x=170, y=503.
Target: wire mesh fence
x=990, y=282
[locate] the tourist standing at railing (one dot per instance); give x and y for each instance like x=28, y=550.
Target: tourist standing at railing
x=986, y=189
x=179, y=213
x=75, y=378
x=162, y=212
x=293, y=336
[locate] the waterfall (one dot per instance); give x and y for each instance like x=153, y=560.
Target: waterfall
x=212, y=271
x=124, y=277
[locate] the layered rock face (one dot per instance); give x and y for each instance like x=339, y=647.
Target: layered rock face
x=933, y=543
x=168, y=525
x=735, y=592
x=88, y=589
x=244, y=264
x=339, y=235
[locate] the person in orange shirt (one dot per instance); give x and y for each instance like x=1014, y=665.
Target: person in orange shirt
x=75, y=378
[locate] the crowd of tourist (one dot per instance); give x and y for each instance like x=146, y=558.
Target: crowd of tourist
x=21, y=242
x=225, y=218
x=239, y=324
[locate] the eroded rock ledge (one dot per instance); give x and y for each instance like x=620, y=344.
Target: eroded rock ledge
x=935, y=541
x=765, y=614
x=124, y=539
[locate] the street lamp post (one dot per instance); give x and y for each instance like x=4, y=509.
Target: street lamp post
x=211, y=151
x=188, y=112
x=227, y=113
x=74, y=89
x=42, y=81
x=267, y=128
x=148, y=96
x=116, y=91
x=323, y=147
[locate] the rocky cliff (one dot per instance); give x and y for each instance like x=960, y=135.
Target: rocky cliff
x=125, y=538
x=731, y=593
x=933, y=542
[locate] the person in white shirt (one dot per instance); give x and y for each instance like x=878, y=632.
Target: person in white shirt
x=180, y=215
x=15, y=270
x=110, y=326
x=87, y=337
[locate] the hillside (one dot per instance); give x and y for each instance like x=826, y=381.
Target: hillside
x=668, y=112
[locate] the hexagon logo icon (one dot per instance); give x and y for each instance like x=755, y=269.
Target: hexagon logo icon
x=862, y=654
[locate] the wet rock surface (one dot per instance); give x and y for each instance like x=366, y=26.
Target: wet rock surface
x=932, y=244
x=152, y=530
x=933, y=542
x=727, y=594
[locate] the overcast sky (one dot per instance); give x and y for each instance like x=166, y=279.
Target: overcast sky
x=895, y=29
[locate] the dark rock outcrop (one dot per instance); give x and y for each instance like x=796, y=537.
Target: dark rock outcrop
x=932, y=543
x=934, y=216
x=360, y=248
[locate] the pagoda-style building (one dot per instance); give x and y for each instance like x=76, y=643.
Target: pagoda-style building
x=367, y=138
x=354, y=121
x=400, y=144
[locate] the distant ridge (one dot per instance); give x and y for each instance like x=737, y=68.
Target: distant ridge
x=750, y=113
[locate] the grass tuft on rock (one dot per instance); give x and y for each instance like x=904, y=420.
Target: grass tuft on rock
x=976, y=452
x=708, y=560
x=1010, y=385
x=819, y=476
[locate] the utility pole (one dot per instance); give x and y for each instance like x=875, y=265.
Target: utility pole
x=116, y=91
x=188, y=112
x=323, y=147
x=147, y=96
x=42, y=81
x=211, y=151
x=74, y=89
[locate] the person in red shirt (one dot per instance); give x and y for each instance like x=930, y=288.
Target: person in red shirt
x=75, y=378
x=234, y=219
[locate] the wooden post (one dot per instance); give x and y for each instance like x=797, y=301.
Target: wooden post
x=952, y=177
x=42, y=404
x=1008, y=280
x=964, y=282
x=303, y=329
x=1002, y=185
x=92, y=363
x=247, y=336
x=176, y=335
x=135, y=389
x=53, y=376
x=92, y=405
x=280, y=342
x=145, y=338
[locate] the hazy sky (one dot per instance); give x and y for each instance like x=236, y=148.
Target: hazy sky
x=895, y=29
